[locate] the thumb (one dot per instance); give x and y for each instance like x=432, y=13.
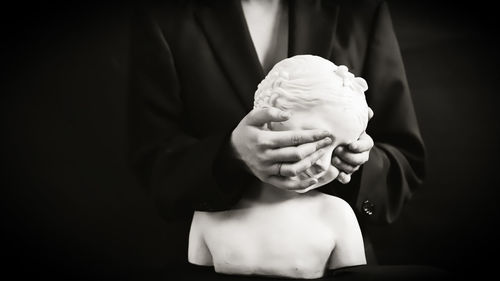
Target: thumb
x=261, y=116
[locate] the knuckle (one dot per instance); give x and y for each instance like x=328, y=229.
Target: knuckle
x=264, y=111
x=262, y=157
x=303, y=165
x=291, y=171
x=262, y=169
x=271, y=111
x=318, y=135
x=258, y=139
x=262, y=141
x=296, y=139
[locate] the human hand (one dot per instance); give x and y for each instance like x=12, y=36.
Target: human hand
x=277, y=157
x=349, y=158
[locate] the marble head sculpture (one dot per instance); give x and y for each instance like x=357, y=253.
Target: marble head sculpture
x=320, y=95
x=277, y=233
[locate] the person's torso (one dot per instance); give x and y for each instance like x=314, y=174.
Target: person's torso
x=217, y=65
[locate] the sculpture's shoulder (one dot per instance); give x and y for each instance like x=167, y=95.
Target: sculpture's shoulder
x=314, y=207
x=333, y=202
x=336, y=210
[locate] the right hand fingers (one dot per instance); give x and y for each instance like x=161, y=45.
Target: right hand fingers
x=344, y=178
x=261, y=116
x=292, y=170
x=297, y=153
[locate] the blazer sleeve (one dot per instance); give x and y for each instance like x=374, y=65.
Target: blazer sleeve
x=180, y=171
x=396, y=167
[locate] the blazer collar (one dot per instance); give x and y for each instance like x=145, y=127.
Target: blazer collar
x=312, y=25
x=225, y=27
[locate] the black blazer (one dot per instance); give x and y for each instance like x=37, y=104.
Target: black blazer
x=194, y=71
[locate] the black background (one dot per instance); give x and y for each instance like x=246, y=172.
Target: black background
x=70, y=206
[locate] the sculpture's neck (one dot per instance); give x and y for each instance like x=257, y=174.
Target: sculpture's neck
x=265, y=193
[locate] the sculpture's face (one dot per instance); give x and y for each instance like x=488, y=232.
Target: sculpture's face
x=341, y=122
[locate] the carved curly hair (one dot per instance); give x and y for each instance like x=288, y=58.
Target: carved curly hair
x=306, y=80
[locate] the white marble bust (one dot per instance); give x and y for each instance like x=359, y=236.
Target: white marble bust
x=279, y=233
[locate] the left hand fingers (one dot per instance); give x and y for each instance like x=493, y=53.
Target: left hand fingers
x=364, y=143
x=351, y=158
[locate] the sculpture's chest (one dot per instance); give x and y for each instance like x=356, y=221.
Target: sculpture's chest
x=270, y=238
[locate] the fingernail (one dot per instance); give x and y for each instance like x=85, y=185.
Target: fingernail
x=327, y=141
x=347, y=178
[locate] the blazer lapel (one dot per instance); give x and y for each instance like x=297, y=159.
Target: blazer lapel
x=312, y=26
x=224, y=25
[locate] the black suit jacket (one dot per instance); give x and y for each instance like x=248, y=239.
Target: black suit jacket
x=194, y=72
